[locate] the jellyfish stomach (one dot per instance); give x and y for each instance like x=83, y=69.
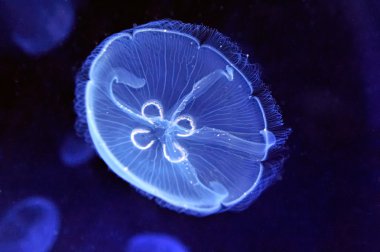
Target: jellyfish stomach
x=162, y=131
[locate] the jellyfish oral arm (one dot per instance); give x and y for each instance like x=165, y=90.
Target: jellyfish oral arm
x=172, y=150
x=201, y=86
x=125, y=77
x=230, y=141
x=134, y=114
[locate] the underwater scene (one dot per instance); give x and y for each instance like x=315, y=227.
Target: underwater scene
x=189, y=125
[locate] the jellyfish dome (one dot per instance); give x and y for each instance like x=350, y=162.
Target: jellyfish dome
x=38, y=26
x=30, y=225
x=155, y=242
x=74, y=152
x=177, y=111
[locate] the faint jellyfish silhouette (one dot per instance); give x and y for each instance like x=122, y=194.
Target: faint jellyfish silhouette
x=169, y=108
x=154, y=242
x=37, y=26
x=30, y=225
x=74, y=152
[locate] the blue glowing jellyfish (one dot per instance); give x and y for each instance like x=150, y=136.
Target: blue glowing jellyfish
x=38, y=26
x=74, y=152
x=169, y=108
x=155, y=242
x=30, y=225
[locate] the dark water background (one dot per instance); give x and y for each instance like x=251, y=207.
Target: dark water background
x=321, y=60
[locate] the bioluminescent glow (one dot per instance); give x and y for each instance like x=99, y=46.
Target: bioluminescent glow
x=155, y=242
x=37, y=26
x=177, y=111
x=30, y=225
x=74, y=152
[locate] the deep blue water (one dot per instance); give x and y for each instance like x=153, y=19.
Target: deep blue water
x=320, y=60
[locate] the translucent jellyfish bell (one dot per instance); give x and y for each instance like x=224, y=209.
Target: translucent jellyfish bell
x=169, y=107
x=38, y=26
x=154, y=242
x=74, y=152
x=30, y=225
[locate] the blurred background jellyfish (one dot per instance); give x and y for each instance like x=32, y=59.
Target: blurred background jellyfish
x=177, y=111
x=30, y=225
x=37, y=26
x=155, y=242
x=74, y=152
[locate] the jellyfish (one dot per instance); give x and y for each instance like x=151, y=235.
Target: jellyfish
x=178, y=112
x=38, y=26
x=154, y=242
x=74, y=152
x=30, y=225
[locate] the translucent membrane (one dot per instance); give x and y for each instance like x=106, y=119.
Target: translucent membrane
x=169, y=107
